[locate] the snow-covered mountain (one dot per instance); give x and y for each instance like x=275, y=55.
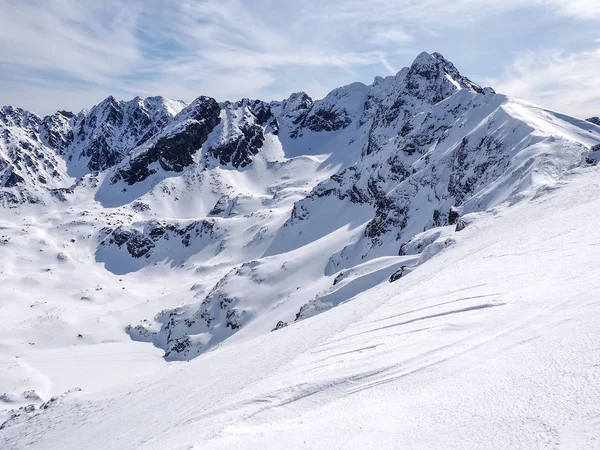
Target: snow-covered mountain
x=96, y=140
x=165, y=230
x=29, y=170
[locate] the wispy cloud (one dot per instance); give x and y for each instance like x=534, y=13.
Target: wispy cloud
x=91, y=41
x=70, y=53
x=392, y=35
x=562, y=81
x=583, y=9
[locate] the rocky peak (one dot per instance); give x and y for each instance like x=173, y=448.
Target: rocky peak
x=200, y=109
x=296, y=105
x=424, y=64
x=433, y=78
x=28, y=169
x=18, y=117
x=242, y=134
x=109, y=131
x=455, y=75
x=56, y=132
x=174, y=147
x=66, y=114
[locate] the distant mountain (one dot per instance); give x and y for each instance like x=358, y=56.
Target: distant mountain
x=27, y=166
x=101, y=137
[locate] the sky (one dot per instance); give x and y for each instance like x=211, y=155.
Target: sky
x=71, y=54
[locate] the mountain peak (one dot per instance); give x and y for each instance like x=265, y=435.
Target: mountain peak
x=433, y=71
x=11, y=116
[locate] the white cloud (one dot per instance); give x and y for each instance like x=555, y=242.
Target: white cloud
x=423, y=11
x=583, y=9
x=394, y=35
x=385, y=63
x=231, y=48
x=564, y=82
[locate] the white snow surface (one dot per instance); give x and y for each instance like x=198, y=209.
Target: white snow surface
x=249, y=305
x=491, y=344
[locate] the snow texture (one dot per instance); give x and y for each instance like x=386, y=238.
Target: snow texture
x=408, y=264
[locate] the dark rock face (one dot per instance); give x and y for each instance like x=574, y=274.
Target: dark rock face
x=264, y=115
x=453, y=216
x=397, y=274
x=595, y=120
x=104, y=135
x=593, y=156
x=460, y=225
x=426, y=78
x=56, y=132
x=11, y=179
x=242, y=133
x=293, y=110
x=333, y=113
x=281, y=324
x=17, y=117
x=179, y=346
x=173, y=149
x=141, y=243
x=239, y=151
x=327, y=120
x=102, y=154
x=93, y=133
x=261, y=110
x=61, y=194
x=296, y=106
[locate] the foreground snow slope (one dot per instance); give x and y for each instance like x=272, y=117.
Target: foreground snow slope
x=491, y=344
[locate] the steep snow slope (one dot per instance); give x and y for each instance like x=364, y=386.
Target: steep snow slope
x=491, y=344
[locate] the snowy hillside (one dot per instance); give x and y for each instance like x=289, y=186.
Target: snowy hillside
x=492, y=344
x=313, y=258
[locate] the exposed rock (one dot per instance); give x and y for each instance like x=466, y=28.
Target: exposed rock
x=173, y=149
x=397, y=274
x=595, y=120
x=281, y=324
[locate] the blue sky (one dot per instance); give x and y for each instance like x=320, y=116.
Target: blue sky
x=70, y=54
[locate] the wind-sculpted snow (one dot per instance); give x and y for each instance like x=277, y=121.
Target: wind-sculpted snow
x=492, y=343
x=247, y=216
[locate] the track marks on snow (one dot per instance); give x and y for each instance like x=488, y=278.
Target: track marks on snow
x=433, y=316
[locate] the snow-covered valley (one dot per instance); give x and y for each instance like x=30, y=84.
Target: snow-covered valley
x=409, y=264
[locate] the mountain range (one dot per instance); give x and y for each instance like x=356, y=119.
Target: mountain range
x=172, y=230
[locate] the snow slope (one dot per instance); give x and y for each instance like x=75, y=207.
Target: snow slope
x=491, y=344
x=256, y=242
